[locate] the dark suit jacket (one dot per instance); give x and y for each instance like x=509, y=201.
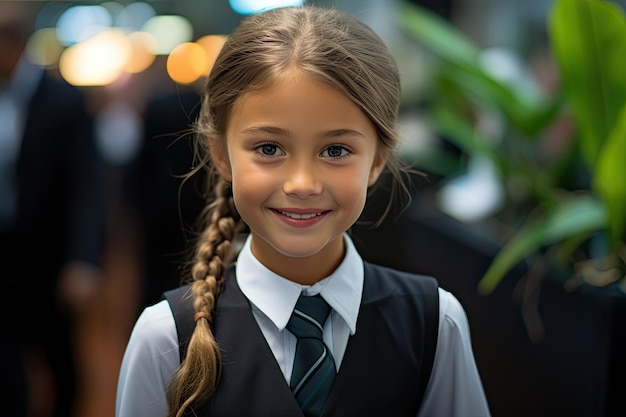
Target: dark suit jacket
x=60, y=179
x=60, y=218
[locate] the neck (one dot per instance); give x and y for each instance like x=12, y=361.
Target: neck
x=303, y=270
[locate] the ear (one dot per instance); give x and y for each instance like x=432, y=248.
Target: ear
x=377, y=168
x=219, y=156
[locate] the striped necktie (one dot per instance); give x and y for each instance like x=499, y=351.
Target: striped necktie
x=314, y=370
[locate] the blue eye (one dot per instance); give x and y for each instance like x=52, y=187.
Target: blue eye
x=335, y=151
x=269, y=150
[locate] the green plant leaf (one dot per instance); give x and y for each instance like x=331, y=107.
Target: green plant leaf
x=588, y=38
x=461, y=133
x=610, y=177
x=459, y=63
x=573, y=216
x=437, y=34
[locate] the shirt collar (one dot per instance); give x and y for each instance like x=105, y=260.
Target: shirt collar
x=276, y=296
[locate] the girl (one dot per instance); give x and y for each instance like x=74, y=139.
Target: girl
x=299, y=120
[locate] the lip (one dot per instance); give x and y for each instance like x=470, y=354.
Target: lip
x=300, y=217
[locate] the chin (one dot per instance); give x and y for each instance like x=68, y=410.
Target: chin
x=297, y=251
x=301, y=246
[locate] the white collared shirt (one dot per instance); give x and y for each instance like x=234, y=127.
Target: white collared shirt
x=273, y=299
x=454, y=389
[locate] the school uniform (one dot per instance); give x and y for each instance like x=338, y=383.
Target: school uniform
x=262, y=303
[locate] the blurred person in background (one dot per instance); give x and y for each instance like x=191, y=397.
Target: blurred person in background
x=167, y=205
x=52, y=223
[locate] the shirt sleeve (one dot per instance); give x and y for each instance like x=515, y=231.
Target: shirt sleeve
x=150, y=359
x=455, y=388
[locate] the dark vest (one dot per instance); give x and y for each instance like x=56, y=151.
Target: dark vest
x=384, y=371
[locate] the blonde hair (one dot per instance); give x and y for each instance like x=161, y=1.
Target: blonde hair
x=324, y=43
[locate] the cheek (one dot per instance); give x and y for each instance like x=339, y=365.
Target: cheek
x=245, y=199
x=350, y=190
x=249, y=184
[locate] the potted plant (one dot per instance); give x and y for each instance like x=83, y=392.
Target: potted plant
x=565, y=211
x=588, y=40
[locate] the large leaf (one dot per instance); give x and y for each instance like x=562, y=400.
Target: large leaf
x=574, y=216
x=438, y=35
x=461, y=133
x=588, y=38
x=610, y=178
x=460, y=62
x=458, y=56
x=528, y=117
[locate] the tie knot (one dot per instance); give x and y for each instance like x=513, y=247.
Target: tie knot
x=308, y=317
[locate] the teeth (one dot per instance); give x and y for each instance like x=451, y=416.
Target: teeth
x=300, y=216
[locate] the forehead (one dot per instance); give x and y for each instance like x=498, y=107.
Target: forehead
x=296, y=101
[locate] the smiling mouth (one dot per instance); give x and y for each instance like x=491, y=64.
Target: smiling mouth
x=298, y=216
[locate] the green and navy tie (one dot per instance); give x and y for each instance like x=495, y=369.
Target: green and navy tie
x=314, y=370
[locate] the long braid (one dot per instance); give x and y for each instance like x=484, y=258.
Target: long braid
x=196, y=379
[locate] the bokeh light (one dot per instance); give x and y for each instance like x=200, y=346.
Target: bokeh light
x=132, y=17
x=255, y=6
x=97, y=61
x=118, y=132
x=79, y=23
x=168, y=31
x=49, y=14
x=142, y=44
x=114, y=8
x=93, y=44
x=187, y=62
x=43, y=48
x=212, y=45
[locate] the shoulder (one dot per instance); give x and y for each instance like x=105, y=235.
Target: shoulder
x=180, y=303
x=150, y=359
x=153, y=343
x=385, y=277
x=408, y=294
x=156, y=323
x=451, y=311
x=381, y=282
x=455, y=382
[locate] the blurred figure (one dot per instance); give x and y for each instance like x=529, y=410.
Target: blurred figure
x=52, y=223
x=166, y=205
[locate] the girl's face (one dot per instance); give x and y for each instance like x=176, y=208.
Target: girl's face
x=300, y=156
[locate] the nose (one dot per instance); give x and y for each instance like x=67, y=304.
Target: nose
x=302, y=180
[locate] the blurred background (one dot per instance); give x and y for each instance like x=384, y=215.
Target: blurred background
x=490, y=112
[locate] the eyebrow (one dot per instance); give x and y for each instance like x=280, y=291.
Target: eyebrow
x=273, y=130
x=341, y=132
x=268, y=129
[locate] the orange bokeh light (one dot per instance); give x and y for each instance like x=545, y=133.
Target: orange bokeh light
x=212, y=44
x=187, y=62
